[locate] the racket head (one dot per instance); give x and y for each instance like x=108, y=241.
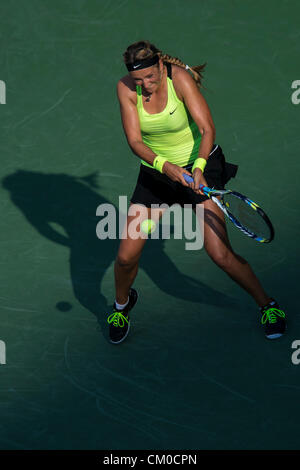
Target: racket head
x=244, y=213
x=247, y=216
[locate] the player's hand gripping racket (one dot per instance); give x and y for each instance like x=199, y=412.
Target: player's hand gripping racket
x=245, y=214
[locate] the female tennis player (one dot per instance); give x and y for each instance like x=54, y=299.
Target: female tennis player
x=168, y=125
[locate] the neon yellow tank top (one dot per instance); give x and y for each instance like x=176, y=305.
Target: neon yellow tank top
x=172, y=133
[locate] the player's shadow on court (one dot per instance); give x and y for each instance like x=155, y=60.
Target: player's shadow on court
x=70, y=203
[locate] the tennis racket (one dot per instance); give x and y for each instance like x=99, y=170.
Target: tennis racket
x=245, y=214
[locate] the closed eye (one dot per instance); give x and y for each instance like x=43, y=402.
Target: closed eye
x=140, y=79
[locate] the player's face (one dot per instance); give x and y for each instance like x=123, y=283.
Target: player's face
x=150, y=78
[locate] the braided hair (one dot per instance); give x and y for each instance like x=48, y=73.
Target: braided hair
x=145, y=50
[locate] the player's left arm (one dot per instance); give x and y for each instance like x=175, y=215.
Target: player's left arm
x=200, y=112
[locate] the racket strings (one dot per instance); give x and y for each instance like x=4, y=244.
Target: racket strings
x=248, y=216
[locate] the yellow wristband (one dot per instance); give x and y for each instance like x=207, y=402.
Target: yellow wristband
x=158, y=163
x=199, y=163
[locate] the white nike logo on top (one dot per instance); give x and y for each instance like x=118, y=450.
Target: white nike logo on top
x=136, y=66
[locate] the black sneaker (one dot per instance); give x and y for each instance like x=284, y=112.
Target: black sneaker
x=119, y=322
x=274, y=320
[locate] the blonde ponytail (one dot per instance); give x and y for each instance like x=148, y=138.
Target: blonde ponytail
x=196, y=71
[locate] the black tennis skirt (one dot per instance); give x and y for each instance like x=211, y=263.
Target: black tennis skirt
x=154, y=187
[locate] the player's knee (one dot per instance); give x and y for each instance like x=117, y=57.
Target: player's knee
x=125, y=261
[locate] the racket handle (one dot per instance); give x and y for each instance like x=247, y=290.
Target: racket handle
x=189, y=179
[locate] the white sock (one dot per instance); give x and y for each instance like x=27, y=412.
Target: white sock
x=121, y=306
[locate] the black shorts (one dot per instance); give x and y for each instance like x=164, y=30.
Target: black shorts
x=157, y=188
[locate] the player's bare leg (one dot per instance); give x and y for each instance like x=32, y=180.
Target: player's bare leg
x=218, y=247
x=130, y=249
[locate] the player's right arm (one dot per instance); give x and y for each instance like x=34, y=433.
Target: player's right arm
x=131, y=123
x=131, y=126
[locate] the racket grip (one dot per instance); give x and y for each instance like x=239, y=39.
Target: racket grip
x=189, y=179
